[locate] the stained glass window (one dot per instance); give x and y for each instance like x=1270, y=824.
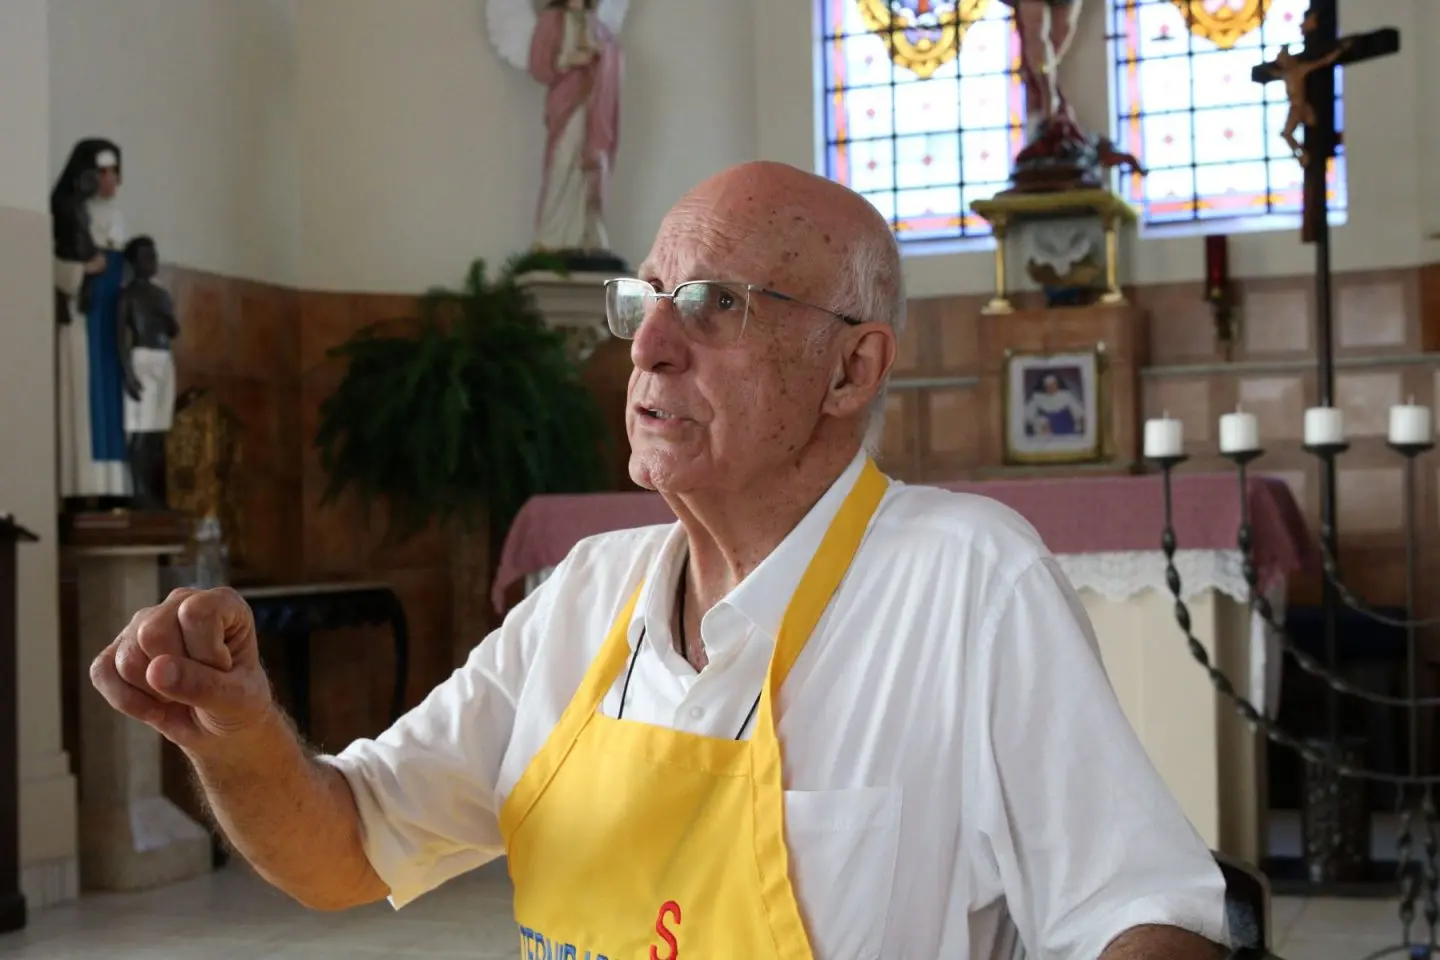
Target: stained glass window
x=1187, y=108
x=922, y=108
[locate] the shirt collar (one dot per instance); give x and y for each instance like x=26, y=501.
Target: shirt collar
x=763, y=596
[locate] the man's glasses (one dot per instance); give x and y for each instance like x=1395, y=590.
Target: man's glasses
x=714, y=312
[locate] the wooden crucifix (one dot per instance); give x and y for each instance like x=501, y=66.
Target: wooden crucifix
x=1309, y=79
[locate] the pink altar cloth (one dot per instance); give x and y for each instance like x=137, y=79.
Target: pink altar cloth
x=1074, y=515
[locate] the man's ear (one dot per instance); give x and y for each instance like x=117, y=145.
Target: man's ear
x=865, y=361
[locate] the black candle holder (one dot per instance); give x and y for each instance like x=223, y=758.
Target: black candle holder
x=1338, y=765
x=1326, y=451
x=1334, y=822
x=1410, y=450
x=1330, y=562
x=1409, y=874
x=1168, y=463
x=1244, y=536
x=1415, y=790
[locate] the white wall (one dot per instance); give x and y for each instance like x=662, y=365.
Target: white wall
x=421, y=146
x=27, y=437
x=372, y=145
x=1388, y=163
x=1423, y=45
x=24, y=105
x=199, y=95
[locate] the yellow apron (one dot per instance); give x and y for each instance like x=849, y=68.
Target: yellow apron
x=629, y=841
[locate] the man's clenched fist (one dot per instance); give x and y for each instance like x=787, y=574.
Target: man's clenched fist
x=189, y=667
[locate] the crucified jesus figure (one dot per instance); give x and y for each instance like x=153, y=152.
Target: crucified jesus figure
x=1293, y=72
x=1046, y=28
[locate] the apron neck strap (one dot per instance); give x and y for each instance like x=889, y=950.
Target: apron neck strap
x=826, y=571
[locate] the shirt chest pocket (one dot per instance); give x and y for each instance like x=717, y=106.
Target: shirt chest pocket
x=843, y=846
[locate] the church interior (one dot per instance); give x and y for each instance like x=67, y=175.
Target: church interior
x=1156, y=334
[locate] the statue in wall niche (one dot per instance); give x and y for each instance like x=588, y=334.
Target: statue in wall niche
x=147, y=325
x=570, y=46
x=89, y=235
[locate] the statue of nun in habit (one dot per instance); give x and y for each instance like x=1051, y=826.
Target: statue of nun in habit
x=89, y=239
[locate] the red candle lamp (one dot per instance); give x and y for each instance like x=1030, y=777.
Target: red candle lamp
x=1218, y=289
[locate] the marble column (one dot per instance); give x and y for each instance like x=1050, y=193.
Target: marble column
x=131, y=836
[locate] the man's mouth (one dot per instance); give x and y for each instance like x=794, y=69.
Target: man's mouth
x=655, y=413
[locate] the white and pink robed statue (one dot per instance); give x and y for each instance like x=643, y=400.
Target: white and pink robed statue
x=570, y=46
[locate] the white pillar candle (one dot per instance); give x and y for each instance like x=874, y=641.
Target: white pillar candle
x=1409, y=424
x=1239, y=433
x=1324, y=426
x=1164, y=438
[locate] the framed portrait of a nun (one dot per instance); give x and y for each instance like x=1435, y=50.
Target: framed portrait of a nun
x=1055, y=407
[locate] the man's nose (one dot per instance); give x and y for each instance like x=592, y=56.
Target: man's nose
x=660, y=343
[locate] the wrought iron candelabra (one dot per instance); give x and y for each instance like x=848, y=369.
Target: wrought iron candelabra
x=1418, y=876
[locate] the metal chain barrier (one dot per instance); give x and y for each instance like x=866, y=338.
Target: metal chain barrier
x=1242, y=705
x=1412, y=875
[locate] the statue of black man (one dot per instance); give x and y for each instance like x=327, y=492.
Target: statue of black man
x=147, y=325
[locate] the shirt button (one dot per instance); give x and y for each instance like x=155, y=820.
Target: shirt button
x=696, y=713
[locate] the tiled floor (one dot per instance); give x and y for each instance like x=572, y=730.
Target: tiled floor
x=232, y=915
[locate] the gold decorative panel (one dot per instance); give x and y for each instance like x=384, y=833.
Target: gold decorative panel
x=1223, y=22
x=909, y=29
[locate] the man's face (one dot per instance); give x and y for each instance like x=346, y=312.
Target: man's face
x=737, y=412
x=109, y=181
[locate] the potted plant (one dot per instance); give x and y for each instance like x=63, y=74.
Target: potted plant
x=464, y=414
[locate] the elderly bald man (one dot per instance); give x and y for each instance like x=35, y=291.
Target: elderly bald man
x=825, y=714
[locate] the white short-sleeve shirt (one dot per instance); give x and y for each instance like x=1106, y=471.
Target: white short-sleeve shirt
x=959, y=777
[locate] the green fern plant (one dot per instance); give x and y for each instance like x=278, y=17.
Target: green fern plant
x=468, y=416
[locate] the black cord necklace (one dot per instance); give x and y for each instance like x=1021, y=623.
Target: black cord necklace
x=680, y=610
x=684, y=652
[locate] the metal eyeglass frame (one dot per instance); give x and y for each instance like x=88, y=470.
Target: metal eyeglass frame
x=749, y=288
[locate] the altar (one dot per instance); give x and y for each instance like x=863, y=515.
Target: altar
x=1105, y=532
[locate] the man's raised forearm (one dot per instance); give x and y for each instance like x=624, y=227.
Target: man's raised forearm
x=292, y=817
x=1154, y=942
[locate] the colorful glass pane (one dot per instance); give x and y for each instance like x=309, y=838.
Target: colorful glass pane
x=1209, y=135
x=921, y=148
